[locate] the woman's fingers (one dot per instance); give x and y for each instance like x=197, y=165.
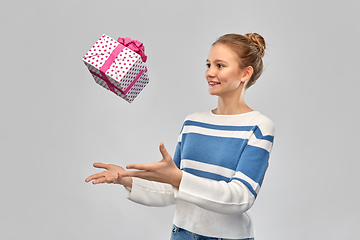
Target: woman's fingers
x=100, y=165
x=94, y=176
x=152, y=166
x=110, y=175
x=101, y=178
x=163, y=151
x=145, y=167
x=149, y=171
x=139, y=174
x=134, y=166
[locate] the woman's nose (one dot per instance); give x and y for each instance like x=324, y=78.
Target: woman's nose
x=210, y=73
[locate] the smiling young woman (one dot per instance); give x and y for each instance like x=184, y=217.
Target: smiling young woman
x=234, y=64
x=221, y=155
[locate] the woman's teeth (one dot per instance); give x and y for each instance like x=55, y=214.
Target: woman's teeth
x=214, y=83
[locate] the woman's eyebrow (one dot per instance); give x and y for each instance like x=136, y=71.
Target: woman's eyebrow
x=218, y=60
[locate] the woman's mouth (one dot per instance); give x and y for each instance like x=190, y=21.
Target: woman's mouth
x=211, y=83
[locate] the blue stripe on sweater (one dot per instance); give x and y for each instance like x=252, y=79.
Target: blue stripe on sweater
x=247, y=185
x=177, y=155
x=208, y=175
x=218, y=127
x=257, y=131
x=253, y=163
x=259, y=135
x=218, y=151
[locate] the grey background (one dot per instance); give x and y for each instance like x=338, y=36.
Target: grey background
x=56, y=121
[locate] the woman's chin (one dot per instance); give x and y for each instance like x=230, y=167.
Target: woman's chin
x=212, y=92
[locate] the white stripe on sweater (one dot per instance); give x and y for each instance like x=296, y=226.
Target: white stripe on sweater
x=261, y=143
x=216, y=133
x=253, y=184
x=185, y=163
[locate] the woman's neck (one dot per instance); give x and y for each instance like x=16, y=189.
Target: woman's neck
x=232, y=105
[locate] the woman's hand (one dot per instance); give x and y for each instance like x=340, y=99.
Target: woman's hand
x=112, y=175
x=164, y=171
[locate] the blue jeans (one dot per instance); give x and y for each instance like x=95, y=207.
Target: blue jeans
x=182, y=234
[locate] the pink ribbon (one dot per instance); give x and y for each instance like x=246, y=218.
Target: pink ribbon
x=112, y=86
x=111, y=59
x=134, y=45
x=134, y=81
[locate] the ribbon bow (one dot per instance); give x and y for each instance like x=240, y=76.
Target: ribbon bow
x=134, y=45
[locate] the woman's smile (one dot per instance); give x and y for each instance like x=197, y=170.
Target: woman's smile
x=213, y=83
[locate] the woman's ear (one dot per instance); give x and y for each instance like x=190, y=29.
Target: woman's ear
x=247, y=73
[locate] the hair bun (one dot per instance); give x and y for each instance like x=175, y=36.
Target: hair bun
x=258, y=41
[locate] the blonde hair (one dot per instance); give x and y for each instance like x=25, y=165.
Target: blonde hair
x=250, y=49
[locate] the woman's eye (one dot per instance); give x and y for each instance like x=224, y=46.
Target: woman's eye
x=220, y=65
x=208, y=65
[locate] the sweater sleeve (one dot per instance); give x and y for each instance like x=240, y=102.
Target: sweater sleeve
x=152, y=193
x=238, y=194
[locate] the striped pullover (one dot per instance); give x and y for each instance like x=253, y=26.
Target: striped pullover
x=224, y=159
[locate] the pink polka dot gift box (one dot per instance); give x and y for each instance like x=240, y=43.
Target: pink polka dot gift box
x=118, y=66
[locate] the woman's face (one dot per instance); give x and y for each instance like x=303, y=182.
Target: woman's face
x=223, y=73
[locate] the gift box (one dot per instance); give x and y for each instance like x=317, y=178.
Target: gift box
x=118, y=66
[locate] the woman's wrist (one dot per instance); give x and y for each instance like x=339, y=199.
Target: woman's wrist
x=177, y=178
x=126, y=182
